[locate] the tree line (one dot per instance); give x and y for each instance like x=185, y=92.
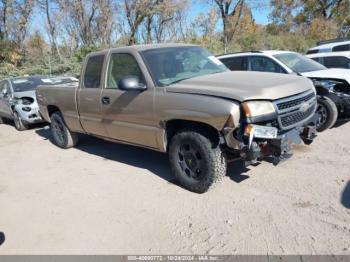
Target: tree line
x=66, y=30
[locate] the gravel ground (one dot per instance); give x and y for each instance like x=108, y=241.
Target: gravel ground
x=105, y=198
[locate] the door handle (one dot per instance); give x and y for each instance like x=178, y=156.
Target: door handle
x=106, y=100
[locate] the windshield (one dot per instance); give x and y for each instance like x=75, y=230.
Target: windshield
x=299, y=63
x=27, y=83
x=171, y=65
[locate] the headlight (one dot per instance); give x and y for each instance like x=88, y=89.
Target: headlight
x=329, y=84
x=258, y=108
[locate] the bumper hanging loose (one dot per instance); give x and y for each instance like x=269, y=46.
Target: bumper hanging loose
x=264, y=142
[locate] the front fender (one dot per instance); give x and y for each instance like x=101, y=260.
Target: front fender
x=214, y=111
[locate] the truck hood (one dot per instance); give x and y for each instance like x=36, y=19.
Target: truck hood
x=334, y=73
x=242, y=86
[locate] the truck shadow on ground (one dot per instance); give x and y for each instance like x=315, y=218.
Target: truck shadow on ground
x=2, y=238
x=155, y=162
x=341, y=122
x=345, y=198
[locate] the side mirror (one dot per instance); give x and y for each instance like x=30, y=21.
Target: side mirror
x=131, y=83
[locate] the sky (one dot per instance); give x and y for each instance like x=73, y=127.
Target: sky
x=260, y=11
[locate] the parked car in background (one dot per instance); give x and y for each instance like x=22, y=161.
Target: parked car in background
x=332, y=85
x=182, y=100
x=333, y=59
x=18, y=100
x=333, y=45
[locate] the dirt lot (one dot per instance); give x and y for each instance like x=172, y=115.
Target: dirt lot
x=104, y=198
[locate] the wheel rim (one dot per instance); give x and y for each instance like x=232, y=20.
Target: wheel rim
x=191, y=161
x=58, y=132
x=322, y=115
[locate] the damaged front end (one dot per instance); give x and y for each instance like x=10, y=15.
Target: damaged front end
x=27, y=108
x=293, y=121
x=338, y=91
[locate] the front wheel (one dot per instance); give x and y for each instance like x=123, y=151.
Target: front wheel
x=197, y=162
x=61, y=134
x=19, y=124
x=327, y=113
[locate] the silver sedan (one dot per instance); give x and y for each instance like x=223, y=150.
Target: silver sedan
x=18, y=100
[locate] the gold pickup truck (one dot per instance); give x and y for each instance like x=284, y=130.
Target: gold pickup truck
x=180, y=99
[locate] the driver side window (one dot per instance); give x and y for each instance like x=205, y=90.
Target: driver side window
x=93, y=72
x=121, y=65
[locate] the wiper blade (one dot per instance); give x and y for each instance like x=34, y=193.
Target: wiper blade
x=179, y=80
x=182, y=79
x=217, y=72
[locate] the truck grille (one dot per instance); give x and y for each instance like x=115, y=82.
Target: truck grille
x=292, y=103
x=295, y=110
x=296, y=117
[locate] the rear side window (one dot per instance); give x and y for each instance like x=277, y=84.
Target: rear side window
x=264, y=64
x=93, y=72
x=236, y=63
x=121, y=65
x=341, y=48
x=336, y=62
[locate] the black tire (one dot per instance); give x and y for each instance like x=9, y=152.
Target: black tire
x=19, y=124
x=197, y=162
x=62, y=136
x=327, y=113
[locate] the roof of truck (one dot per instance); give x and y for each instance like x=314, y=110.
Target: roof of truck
x=153, y=46
x=139, y=48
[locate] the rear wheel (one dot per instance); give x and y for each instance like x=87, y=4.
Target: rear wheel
x=327, y=113
x=197, y=162
x=62, y=136
x=19, y=124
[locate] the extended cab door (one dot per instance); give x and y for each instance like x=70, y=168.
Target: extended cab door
x=89, y=95
x=5, y=94
x=128, y=115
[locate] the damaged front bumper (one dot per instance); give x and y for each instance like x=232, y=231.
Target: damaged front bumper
x=261, y=142
x=29, y=113
x=279, y=148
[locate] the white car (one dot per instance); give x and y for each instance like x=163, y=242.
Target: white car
x=332, y=85
x=18, y=101
x=332, y=59
x=336, y=45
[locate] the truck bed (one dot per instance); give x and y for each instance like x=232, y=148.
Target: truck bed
x=62, y=96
